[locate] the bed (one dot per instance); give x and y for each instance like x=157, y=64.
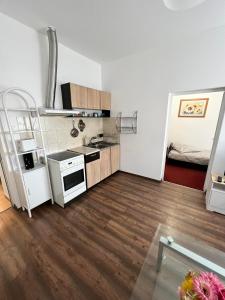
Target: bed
x=188, y=154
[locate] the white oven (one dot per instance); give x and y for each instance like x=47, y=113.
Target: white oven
x=67, y=173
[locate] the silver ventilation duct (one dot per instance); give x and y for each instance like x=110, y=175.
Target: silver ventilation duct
x=52, y=67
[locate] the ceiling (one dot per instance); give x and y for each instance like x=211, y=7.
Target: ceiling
x=105, y=30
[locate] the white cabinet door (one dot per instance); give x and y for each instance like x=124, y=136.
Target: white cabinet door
x=37, y=186
x=217, y=201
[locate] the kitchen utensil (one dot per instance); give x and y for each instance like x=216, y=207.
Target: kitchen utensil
x=81, y=125
x=74, y=132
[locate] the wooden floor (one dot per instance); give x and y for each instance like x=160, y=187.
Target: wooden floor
x=94, y=249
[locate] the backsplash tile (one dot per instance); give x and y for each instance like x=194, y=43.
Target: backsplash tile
x=110, y=130
x=57, y=132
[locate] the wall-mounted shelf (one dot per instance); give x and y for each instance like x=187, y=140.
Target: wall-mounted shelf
x=36, y=167
x=126, y=123
x=31, y=109
x=22, y=131
x=31, y=151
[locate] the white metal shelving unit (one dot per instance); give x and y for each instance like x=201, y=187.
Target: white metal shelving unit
x=33, y=184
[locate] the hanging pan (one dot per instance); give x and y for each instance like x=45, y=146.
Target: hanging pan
x=74, y=132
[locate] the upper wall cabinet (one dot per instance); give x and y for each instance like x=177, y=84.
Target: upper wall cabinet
x=76, y=96
x=93, y=99
x=105, y=98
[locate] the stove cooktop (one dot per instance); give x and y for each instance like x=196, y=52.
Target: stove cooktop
x=64, y=155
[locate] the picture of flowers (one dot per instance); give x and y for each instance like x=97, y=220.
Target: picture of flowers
x=193, y=108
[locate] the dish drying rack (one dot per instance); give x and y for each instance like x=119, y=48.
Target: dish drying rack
x=127, y=123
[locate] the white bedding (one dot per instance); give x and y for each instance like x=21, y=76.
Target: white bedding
x=189, y=154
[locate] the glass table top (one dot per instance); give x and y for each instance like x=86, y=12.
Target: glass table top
x=159, y=279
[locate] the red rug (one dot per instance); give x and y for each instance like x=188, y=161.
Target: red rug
x=184, y=175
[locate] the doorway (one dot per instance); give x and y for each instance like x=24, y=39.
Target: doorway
x=192, y=123
x=5, y=202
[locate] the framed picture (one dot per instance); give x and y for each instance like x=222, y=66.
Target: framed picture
x=193, y=108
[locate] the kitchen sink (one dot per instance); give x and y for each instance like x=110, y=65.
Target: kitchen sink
x=100, y=145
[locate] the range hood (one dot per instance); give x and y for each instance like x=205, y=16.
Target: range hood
x=56, y=112
x=73, y=112
x=49, y=109
x=52, y=67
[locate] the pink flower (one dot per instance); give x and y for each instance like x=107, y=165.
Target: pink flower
x=221, y=294
x=214, y=280
x=204, y=286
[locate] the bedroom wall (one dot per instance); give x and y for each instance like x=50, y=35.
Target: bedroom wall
x=143, y=82
x=196, y=132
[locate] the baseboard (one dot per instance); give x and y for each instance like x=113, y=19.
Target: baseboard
x=141, y=176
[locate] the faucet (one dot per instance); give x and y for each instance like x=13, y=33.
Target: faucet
x=92, y=138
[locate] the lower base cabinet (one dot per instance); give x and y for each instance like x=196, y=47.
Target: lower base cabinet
x=38, y=188
x=100, y=169
x=93, y=173
x=105, y=163
x=115, y=158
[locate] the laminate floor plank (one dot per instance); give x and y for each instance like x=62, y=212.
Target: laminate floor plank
x=95, y=247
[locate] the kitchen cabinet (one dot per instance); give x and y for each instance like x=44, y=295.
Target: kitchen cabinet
x=93, y=173
x=77, y=96
x=215, y=196
x=37, y=185
x=115, y=158
x=74, y=96
x=105, y=163
x=93, y=99
x=105, y=98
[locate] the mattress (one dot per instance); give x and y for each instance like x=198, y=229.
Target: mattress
x=200, y=157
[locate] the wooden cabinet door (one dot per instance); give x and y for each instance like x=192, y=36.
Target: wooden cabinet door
x=93, y=173
x=115, y=158
x=93, y=99
x=79, y=97
x=105, y=100
x=105, y=163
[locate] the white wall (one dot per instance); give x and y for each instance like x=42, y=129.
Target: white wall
x=218, y=166
x=196, y=132
x=24, y=63
x=142, y=82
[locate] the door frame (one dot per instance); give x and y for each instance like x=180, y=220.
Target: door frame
x=217, y=132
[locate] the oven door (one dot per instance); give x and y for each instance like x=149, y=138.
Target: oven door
x=73, y=179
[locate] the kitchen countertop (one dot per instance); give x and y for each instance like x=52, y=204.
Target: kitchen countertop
x=89, y=149
x=84, y=150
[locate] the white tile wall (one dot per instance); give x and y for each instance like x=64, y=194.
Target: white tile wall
x=57, y=132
